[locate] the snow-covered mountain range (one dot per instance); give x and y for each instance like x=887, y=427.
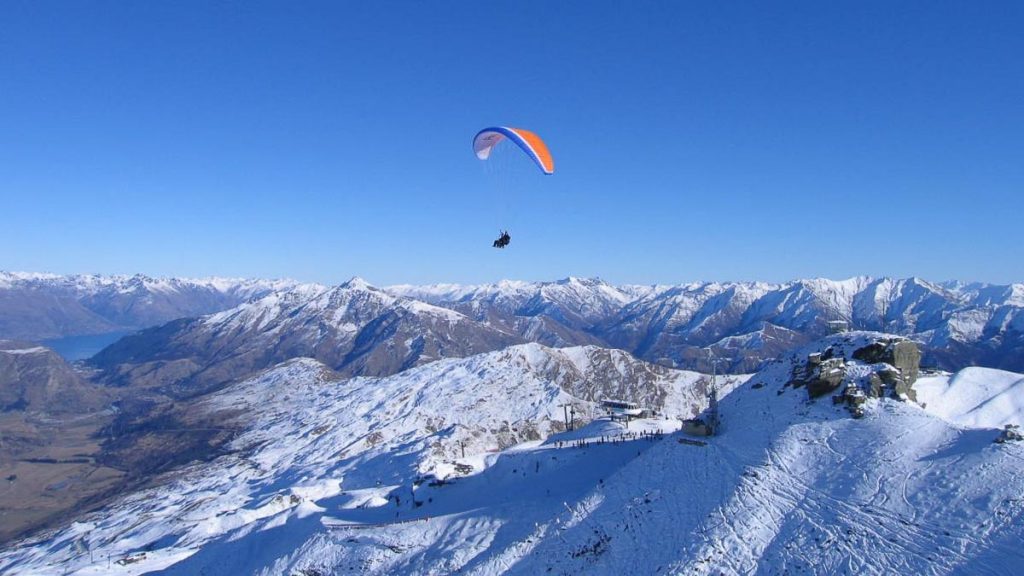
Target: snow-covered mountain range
x=360, y=329
x=463, y=465
x=744, y=323
x=747, y=323
x=39, y=306
x=353, y=328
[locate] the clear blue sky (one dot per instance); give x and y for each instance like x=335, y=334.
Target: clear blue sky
x=692, y=140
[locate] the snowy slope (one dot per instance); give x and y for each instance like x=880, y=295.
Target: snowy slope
x=805, y=489
x=788, y=486
x=975, y=397
x=312, y=436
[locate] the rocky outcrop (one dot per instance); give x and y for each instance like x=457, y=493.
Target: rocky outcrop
x=823, y=376
x=1010, y=433
x=854, y=398
x=901, y=354
x=859, y=367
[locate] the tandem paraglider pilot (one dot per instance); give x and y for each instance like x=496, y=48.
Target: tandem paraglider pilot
x=502, y=240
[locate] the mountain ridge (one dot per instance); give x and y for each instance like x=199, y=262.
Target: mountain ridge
x=354, y=328
x=748, y=323
x=744, y=324
x=39, y=306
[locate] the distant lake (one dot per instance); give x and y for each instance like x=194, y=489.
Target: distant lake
x=74, y=348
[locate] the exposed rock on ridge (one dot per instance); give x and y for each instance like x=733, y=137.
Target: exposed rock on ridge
x=859, y=366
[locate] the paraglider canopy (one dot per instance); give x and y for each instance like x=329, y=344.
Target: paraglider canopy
x=486, y=139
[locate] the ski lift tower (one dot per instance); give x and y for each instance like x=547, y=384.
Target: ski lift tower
x=712, y=418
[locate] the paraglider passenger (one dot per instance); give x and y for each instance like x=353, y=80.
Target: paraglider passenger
x=502, y=240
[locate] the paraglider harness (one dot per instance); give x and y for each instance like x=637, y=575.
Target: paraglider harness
x=502, y=240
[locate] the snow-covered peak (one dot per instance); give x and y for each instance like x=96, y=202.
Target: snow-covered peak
x=837, y=294
x=9, y=279
x=357, y=283
x=260, y=312
x=575, y=280
x=340, y=305
x=587, y=289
